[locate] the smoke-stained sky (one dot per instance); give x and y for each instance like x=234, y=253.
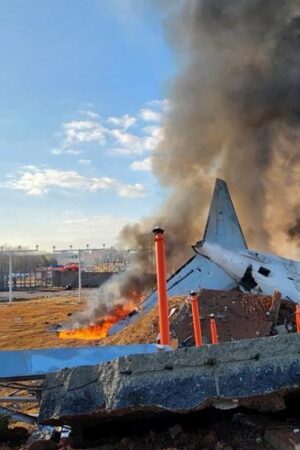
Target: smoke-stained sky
x=79, y=121
x=235, y=115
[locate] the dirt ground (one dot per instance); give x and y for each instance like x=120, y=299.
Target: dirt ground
x=29, y=323
x=32, y=323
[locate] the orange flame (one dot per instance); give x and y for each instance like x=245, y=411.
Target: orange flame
x=100, y=330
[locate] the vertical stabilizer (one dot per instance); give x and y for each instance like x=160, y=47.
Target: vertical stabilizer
x=223, y=226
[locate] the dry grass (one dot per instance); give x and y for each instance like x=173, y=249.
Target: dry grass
x=144, y=330
x=27, y=323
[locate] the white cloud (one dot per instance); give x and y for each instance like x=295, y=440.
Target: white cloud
x=132, y=144
x=103, y=183
x=56, y=151
x=149, y=115
x=153, y=130
x=85, y=162
x=144, y=165
x=35, y=181
x=29, y=167
x=154, y=135
x=131, y=190
x=80, y=131
x=113, y=131
x=127, y=143
x=70, y=151
x=124, y=121
x=164, y=104
x=91, y=114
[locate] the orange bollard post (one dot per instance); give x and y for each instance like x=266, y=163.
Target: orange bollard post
x=213, y=330
x=163, y=308
x=196, y=319
x=298, y=318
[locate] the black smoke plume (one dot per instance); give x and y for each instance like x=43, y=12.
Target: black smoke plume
x=235, y=114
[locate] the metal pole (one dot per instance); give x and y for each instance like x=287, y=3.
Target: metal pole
x=163, y=308
x=10, y=254
x=213, y=330
x=79, y=276
x=298, y=318
x=196, y=319
x=79, y=251
x=10, y=277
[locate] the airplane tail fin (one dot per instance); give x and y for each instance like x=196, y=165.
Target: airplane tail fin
x=222, y=225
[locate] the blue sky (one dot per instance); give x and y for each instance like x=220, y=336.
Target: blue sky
x=83, y=90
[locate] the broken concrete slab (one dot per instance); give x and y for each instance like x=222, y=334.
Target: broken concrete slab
x=255, y=372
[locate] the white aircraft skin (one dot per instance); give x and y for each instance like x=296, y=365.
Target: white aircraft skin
x=284, y=273
x=224, y=244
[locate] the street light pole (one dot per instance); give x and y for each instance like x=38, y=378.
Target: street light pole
x=10, y=254
x=10, y=277
x=79, y=251
x=79, y=275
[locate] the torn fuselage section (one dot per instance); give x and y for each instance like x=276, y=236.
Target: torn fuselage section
x=247, y=267
x=247, y=281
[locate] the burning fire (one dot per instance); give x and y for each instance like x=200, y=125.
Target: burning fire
x=100, y=330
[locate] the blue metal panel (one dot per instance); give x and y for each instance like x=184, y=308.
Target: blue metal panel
x=38, y=362
x=198, y=273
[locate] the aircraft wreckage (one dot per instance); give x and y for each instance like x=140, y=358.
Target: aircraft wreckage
x=99, y=385
x=223, y=261
x=260, y=373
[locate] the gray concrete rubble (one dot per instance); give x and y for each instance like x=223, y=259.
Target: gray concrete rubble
x=256, y=373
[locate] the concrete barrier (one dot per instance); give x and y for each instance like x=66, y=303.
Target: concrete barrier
x=254, y=372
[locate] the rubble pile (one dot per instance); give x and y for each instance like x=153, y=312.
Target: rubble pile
x=210, y=431
x=238, y=316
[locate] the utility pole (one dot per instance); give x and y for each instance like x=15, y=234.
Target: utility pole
x=10, y=254
x=79, y=251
